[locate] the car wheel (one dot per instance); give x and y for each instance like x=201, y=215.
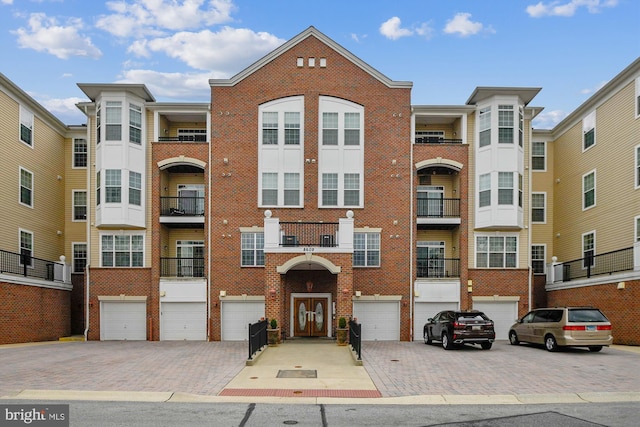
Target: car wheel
x=446, y=343
x=486, y=345
x=550, y=343
x=427, y=339
x=513, y=338
x=595, y=348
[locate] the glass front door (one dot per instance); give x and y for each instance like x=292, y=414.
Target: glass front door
x=310, y=317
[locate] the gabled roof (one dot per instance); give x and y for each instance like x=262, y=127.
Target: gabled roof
x=310, y=32
x=93, y=90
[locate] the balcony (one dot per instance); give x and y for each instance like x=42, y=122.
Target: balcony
x=28, y=266
x=438, y=212
x=182, y=267
x=182, y=211
x=298, y=236
x=436, y=140
x=429, y=268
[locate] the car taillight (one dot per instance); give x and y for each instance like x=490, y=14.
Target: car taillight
x=604, y=327
x=573, y=328
x=458, y=325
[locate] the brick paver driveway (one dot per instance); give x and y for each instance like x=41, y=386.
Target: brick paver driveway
x=396, y=368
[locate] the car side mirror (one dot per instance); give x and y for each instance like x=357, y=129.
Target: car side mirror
x=430, y=319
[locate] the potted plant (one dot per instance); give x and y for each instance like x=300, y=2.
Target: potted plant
x=342, y=331
x=273, y=333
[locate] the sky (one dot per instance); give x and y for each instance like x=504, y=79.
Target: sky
x=447, y=48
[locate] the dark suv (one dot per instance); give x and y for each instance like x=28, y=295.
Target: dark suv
x=460, y=327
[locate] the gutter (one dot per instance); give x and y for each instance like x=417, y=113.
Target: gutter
x=87, y=275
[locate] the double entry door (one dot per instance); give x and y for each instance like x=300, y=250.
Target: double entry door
x=310, y=317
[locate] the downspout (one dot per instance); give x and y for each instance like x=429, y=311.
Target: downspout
x=87, y=277
x=208, y=219
x=529, y=267
x=411, y=232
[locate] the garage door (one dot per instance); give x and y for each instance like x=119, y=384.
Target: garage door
x=380, y=320
x=123, y=320
x=183, y=321
x=236, y=316
x=503, y=314
x=425, y=310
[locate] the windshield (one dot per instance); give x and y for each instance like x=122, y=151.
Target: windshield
x=586, y=315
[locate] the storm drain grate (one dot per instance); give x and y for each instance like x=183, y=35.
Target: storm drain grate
x=297, y=373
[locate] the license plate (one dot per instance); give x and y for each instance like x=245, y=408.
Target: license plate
x=591, y=328
x=476, y=328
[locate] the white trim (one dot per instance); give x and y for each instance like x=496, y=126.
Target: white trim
x=73, y=205
x=544, y=221
x=589, y=123
x=545, y=144
x=33, y=187
x=329, y=314
x=595, y=186
x=637, y=167
x=583, y=249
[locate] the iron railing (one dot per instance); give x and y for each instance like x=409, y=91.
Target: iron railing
x=438, y=208
x=28, y=266
x=595, y=265
x=435, y=140
x=355, y=338
x=309, y=234
x=181, y=267
x=184, y=138
x=181, y=206
x=257, y=337
x=438, y=267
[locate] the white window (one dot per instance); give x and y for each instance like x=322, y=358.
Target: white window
x=329, y=128
x=637, y=239
x=122, y=250
x=252, y=249
x=496, y=251
x=505, y=124
x=190, y=254
x=135, y=188
x=79, y=153
x=538, y=156
x=505, y=188
x=538, y=258
x=521, y=126
x=79, y=257
x=366, y=249
x=484, y=125
x=291, y=128
x=291, y=189
x=98, y=188
x=329, y=189
x=589, y=131
x=638, y=97
x=79, y=205
x=351, y=128
x=270, y=128
x=520, y=194
x=26, y=126
x=351, y=189
x=135, y=124
x=538, y=207
x=26, y=247
x=191, y=135
x=588, y=249
x=589, y=190
x=26, y=187
x=431, y=261
x=484, y=194
x=98, y=123
x=113, y=121
x=269, y=189
x=112, y=186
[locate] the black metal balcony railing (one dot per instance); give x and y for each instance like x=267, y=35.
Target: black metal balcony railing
x=438, y=267
x=181, y=206
x=27, y=266
x=257, y=337
x=435, y=140
x=438, y=208
x=190, y=138
x=309, y=234
x=181, y=267
x=606, y=263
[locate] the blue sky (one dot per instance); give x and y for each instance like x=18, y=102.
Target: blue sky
x=570, y=48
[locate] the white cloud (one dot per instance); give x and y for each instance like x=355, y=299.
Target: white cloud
x=47, y=35
x=462, y=25
x=151, y=17
x=64, y=108
x=556, y=8
x=225, y=51
x=172, y=85
x=590, y=91
x=548, y=119
x=392, y=29
x=6, y=1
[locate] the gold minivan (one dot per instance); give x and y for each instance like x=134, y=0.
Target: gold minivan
x=556, y=327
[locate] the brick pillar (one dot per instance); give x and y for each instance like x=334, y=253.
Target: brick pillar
x=274, y=290
x=344, y=291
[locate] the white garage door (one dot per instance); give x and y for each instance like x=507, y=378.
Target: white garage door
x=123, y=320
x=425, y=310
x=503, y=314
x=236, y=316
x=380, y=320
x=183, y=321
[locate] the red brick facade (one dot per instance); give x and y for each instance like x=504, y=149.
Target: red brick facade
x=619, y=305
x=33, y=313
